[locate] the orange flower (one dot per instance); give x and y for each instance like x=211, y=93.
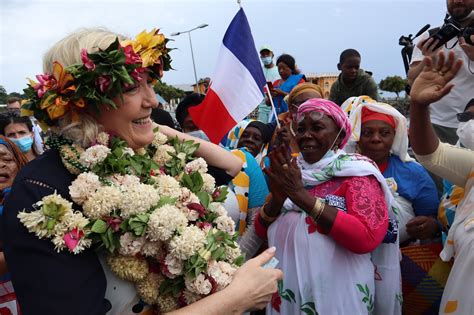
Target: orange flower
x=61, y=90
x=149, y=45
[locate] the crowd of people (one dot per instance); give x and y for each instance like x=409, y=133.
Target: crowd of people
x=331, y=211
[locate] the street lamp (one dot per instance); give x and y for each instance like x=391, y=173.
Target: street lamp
x=191, y=44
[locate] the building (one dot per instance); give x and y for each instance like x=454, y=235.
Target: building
x=324, y=80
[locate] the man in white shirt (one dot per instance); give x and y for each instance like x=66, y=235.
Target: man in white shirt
x=443, y=112
x=270, y=70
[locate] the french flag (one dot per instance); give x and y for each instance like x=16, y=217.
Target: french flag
x=236, y=88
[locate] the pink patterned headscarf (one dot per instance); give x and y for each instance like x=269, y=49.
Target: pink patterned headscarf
x=329, y=109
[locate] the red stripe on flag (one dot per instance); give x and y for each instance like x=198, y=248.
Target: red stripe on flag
x=212, y=117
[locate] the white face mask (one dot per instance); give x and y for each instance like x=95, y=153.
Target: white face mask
x=198, y=134
x=465, y=133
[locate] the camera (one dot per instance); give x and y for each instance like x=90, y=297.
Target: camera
x=450, y=29
x=467, y=33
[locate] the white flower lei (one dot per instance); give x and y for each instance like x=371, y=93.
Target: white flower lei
x=157, y=208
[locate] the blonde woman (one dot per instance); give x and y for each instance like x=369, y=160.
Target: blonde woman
x=119, y=103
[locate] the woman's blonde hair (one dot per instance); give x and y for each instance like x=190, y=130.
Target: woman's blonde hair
x=68, y=52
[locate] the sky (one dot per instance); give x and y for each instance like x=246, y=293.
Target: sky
x=313, y=31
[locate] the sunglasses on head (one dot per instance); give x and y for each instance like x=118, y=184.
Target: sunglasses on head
x=314, y=115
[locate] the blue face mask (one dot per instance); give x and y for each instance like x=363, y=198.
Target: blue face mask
x=266, y=60
x=24, y=144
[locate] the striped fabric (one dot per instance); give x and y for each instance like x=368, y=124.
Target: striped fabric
x=424, y=277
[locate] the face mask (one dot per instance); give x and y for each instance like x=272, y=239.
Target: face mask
x=266, y=60
x=24, y=144
x=465, y=133
x=198, y=134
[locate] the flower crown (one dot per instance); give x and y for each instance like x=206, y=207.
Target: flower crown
x=100, y=77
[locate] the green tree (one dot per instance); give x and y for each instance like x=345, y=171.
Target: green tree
x=3, y=95
x=395, y=84
x=15, y=94
x=168, y=92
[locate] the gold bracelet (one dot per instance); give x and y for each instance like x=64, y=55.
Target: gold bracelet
x=265, y=216
x=318, y=209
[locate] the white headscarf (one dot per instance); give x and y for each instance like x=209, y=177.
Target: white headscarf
x=353, y=107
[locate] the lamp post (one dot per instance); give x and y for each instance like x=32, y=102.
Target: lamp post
x=192, y=53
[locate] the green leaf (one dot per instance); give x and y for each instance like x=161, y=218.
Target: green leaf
x=187, y=182
x=172, y=286
x=291, y=295
x=239, y=261
x=224, y=191
x=361, y=288
x=118, y=152
x=307, y=311
x=285, y=296
x=198, y=182
x=136, y=166
x=113, y=239
x=218, y=253
x=105, y=240
x=311, y=305
x=138, y=223
x=99, y=226
x=166, y=200
x=124, y=225
x=204, y=198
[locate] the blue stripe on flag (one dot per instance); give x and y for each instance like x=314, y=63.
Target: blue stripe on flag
x=238, y=39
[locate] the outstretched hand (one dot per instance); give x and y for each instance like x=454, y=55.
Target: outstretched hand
x=433, y=81
x=255, y=283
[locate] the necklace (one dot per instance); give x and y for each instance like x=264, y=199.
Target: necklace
x=157, y=214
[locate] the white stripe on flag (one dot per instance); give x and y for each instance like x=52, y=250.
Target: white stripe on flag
x=235, y=85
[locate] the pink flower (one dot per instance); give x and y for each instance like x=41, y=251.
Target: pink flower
x=197, y=207
x=45, y=82
x=72, y=238
x=130, y=56
x=86, y=60
x=114, y=223
x=204, y=225
x=165, y=270
x=137, y=74
x=103, y=82
x=216, y=194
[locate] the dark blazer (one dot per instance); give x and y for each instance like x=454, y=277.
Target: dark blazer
x=47, y=282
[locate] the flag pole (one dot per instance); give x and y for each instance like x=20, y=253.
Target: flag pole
x=273, y=105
